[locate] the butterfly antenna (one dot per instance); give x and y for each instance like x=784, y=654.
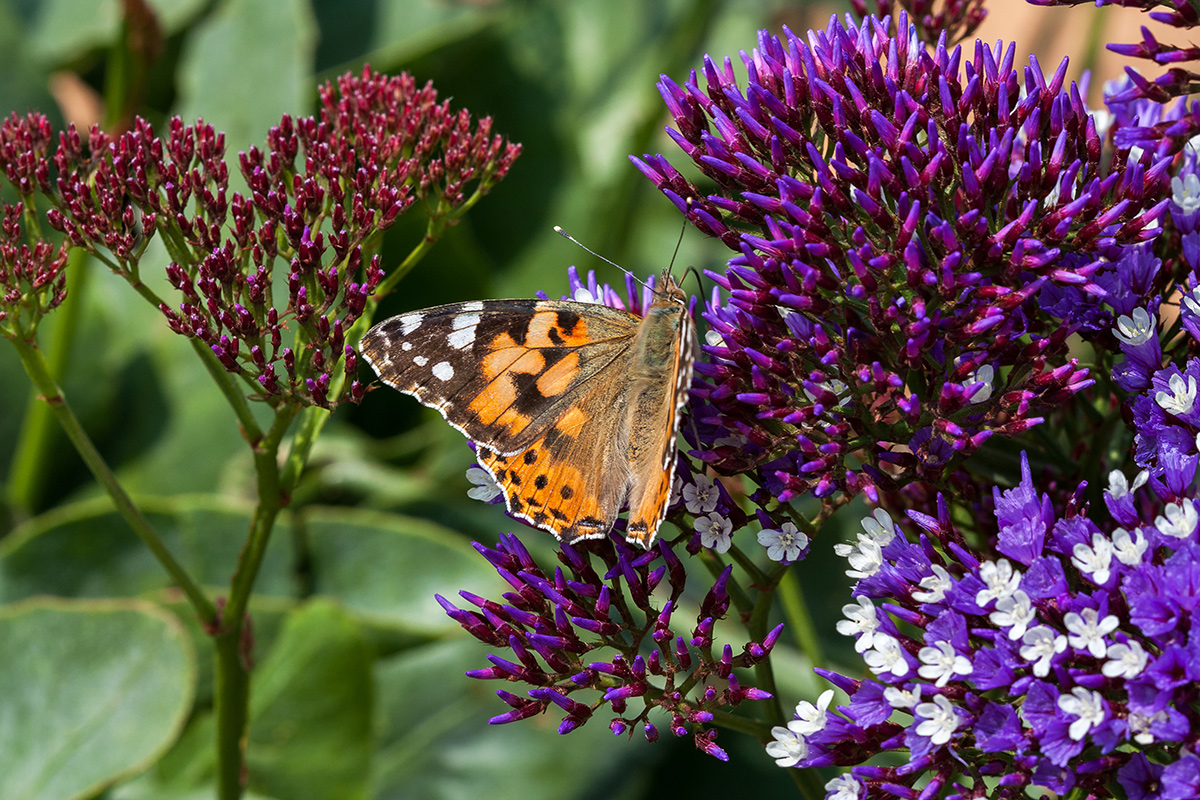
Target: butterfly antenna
x=566, y=235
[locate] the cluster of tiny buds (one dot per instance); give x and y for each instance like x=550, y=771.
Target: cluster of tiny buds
x=32, y=282
x=320, y=196
x=555, y=623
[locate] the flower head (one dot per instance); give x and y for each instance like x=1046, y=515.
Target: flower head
x=894, y=212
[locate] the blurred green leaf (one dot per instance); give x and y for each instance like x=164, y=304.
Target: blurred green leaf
x=93, y=691
x=435, y=743
x=64, y=29
x=386, y=568
x=24, y=87
x=246, y=65
x=353, y=31
x=310, y=728
x=86, y=549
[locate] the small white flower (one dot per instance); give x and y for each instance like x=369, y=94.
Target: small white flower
x=941, y=720
x=715, y=532
x=784, y=544
x=1085, y=704
x=1128, y=550
x=1134, y=330
x=788, y=749
x=1191, y=300
x=886, y=655
x=1140, y=724
x=811, y=719
x=1041, y=644
x=935, y=585
x=1125, y=660
x=701, y=496
x=1186, y=193
x=485, y=488
x=902, y=698
x=1178, y=520
x=1181, y=398
x=1118, y=486
x=879, y=526
x=865, y=558
x=1014, y=612
x=584, y=295
x=1087, y=631
x=940, y=663
x=861, y=621
x=843, y=787
x=1096, y=560
x=1001, y=579
x=982, y=378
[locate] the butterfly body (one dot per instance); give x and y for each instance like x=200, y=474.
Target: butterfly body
x=574, y=407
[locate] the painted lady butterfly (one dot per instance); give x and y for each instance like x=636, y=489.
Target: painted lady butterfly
x=574, y=407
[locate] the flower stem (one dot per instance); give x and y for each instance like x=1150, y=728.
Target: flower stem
x=39, y=372
x=800, y=623
x=232, y=667
x=29, y=458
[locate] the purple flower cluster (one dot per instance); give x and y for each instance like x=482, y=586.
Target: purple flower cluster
x=582, y=630
x=955, y=19
x=1060, y=664
x=1167, y=135
x=896, y=212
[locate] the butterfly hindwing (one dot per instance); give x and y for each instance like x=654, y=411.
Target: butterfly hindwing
x=573, y=480
x=500, y=371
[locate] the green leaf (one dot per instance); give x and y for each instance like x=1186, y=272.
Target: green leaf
x=435, y=743
x=310, y=728
x=387, y=568
x=86, y=549
x=246, y=65
x=24, y=86
x=66, y=28
x=93, y=692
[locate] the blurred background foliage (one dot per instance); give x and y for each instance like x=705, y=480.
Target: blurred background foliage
x=358, y=687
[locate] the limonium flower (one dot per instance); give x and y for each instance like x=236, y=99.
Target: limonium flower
x=602, y=630
x=1171, y=134
x=895, y=212
x=324, y=189
x=1060, y=657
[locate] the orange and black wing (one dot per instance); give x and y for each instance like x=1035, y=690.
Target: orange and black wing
x=500, y=371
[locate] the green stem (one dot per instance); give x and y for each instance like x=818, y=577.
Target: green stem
x=231, y=695
x=29, y=458
x=232, y=678
x=799, y=621
x=39, y=372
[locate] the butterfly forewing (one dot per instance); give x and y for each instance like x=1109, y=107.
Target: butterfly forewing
x=500, y=371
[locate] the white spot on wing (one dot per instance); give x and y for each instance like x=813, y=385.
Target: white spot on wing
x=464, y=331
x=474, y=305
x=420, y=361
x=406, y=346
x=409, y=323
x=443, y=371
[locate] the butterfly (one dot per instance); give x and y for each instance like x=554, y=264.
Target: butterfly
x=574, y=407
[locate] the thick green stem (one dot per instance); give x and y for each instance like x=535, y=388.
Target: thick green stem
x=232, y=679
x=29, y=463
x=39, y=372
x=231, y=695
x=799, y=621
